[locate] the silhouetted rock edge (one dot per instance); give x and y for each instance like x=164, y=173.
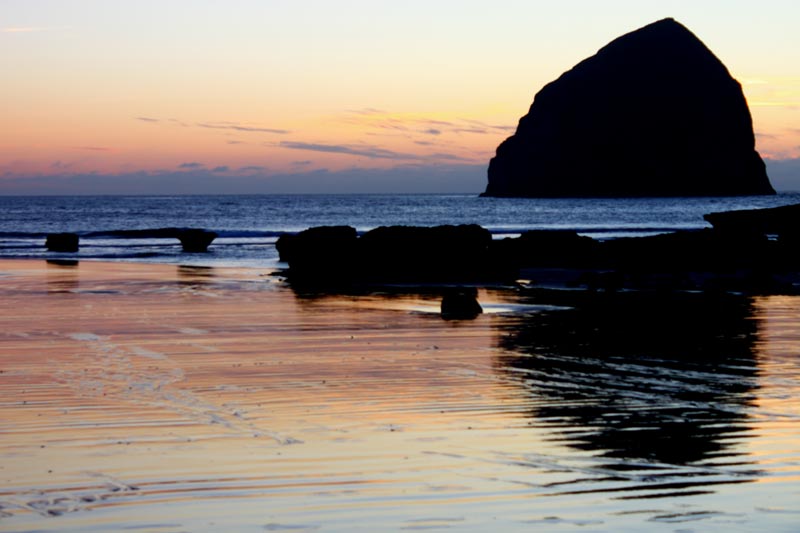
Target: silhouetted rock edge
x=750, y=259
x=653, y=113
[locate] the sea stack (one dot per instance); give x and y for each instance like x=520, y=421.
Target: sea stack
x=653, y=113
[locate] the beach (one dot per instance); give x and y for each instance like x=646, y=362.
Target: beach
x=168, y=398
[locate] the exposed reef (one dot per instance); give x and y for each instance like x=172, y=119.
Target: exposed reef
x=741, y=255
x=196, y=240
x=781, y=221
x=62, y=242
x=653, y=113
x=193, y=240
x=460, y=303
x=395, y=254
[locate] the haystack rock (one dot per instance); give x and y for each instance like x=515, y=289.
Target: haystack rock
x=653, y=113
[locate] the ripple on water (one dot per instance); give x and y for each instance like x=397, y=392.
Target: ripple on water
x=282, y=413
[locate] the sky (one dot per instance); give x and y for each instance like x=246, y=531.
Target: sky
x=272, y=96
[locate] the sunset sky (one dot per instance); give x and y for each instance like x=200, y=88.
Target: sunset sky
x=179, y=96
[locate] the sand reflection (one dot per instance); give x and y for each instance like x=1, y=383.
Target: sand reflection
x=62, y=275
x=650, y=382
x=161, y=399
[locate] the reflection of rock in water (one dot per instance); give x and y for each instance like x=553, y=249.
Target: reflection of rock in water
x=62, y=276
x=193, y=272
x=195, y=277
x=661, y=378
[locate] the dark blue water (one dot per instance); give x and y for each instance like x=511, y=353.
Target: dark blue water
x=249, y=225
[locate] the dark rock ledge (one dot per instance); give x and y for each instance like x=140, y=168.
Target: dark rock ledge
x=193, y=240
x=751, y=252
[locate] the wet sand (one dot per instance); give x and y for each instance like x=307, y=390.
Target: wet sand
x=162, y=398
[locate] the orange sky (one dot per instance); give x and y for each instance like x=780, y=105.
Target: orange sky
x=261, y=89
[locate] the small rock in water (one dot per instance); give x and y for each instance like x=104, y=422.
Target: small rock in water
x=196, y=240
x=461, y=304
x=62, y=242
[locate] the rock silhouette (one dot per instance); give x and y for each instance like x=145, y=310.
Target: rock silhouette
x=414, y=254
x=461, y=304
x=653, y=113
x=740, y=254
x=322, y=254
x=408, y=254
x=196, y=240
x=62, y=242
x=777, y=220
x=607, y=361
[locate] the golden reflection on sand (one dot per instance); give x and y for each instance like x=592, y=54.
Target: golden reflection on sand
x=778, y=416
x=139, y=375
x=159, y=398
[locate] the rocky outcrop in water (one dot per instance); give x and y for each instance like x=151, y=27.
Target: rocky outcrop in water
x=408, y=254
x=196, y=240
x=740, y=254
x=62, y=242
x=319, y=255
x=450, y=253
x=783, y=221
x=653, y=113
x=461, y=304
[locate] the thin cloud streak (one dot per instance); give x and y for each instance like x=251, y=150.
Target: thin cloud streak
x=224, y=125
x=415, y=124
x=367, y=111
x=92, y=148
x=371, y=152
x=239, y=127
x=29, y=29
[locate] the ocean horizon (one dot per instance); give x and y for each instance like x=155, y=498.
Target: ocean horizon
x=249, y=225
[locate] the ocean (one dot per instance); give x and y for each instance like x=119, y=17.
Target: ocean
x=248, y=226
x=166, y=398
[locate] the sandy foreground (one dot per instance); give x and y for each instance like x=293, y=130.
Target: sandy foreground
x=162, y=398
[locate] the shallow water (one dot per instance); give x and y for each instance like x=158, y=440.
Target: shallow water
x=158, y=398
x=248, y=226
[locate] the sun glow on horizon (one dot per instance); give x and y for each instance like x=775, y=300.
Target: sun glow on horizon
x=272, y=88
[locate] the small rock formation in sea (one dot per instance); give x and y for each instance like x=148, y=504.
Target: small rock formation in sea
x=740, y=254
x=653, y=113
x=461, y=304
x=196, y=240
x=62, y=242
x=781, y=221
x=323, y=254
x=408, y=254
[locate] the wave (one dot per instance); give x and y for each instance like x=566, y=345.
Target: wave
x=23, y=238
x=167, y=233
x=22, y=235
x=149, y=233
x=628, y=228
x=174, y=232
